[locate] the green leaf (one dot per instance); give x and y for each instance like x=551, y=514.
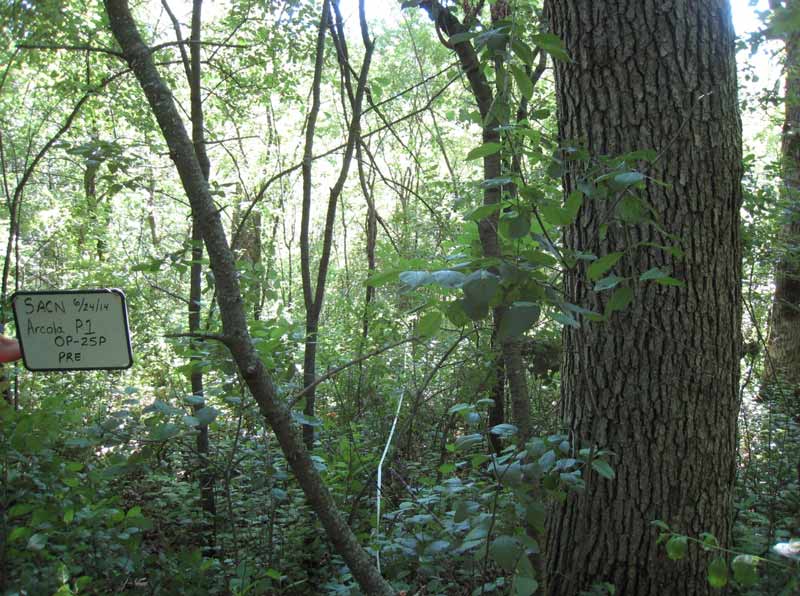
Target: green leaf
x=640, y=155
x=744, y=570
x=506, y=550
x=518, y=319
x=467, y=441
x=19, y=510
x=151, y=266
x=599, y=267
x=461, y=512
x=456, y=313
x=607, y=283
x=482, y=212
x=531, y=193
x=484, y=150
x=191, y=421
x=480, y=287
x=302, y=418
x=677, y=547
x=195, y=400
x=553, y=45
x=447, y=468
x=573, y=204
x=477, y=460
x=547, y=460
x=654, y=273
x=627, y=178
x=69, y=515
x=273, y=573
x=448, y=279
x=540, y=114
x=19, y=533
x=164, y=432
x=37, y=541
x=473, y=309
x=670, y=281
x=523, y=81
x=514, y=228
x=429, y=324
x=437, y=547
x=522, y=50
x=495, y=182
x=460, y=408
x=82, y=582
x=504, y=430
x=631, y=210
x=555, y=169
x=415, y=279
x=535, y=515
x=539, y=258
x=710, y=541
x=718, y=573
x=206, y=415
x=660, y=524
x=460, y=37
x=558, y=216
x=566, y=319
x=382, y=278
x=603, y=468
x=524, y=586
x=619, y=300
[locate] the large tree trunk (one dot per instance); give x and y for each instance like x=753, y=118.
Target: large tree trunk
x=782, y=370
x=229, y=298
x=658, y=383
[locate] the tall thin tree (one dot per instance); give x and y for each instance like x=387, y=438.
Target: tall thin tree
x=192, y=67
x=314, y=294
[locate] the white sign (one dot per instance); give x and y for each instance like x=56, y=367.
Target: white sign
x=73, y=330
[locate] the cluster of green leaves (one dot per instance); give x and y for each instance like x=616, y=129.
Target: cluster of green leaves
x=743, y=568
x=523, y=280
x=478, y=527
x=65, y=528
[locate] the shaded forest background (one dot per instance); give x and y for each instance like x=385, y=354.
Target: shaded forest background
x=401, y=244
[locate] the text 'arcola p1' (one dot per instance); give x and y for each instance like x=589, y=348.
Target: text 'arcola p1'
x=73, y=329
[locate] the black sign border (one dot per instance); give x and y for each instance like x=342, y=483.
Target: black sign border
x=117, y=291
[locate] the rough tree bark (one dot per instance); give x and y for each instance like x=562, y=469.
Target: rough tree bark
x=658, y=383
x=236, y=334
x=782, y=370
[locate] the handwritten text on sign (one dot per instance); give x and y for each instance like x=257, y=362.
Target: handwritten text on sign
x=73, y=330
